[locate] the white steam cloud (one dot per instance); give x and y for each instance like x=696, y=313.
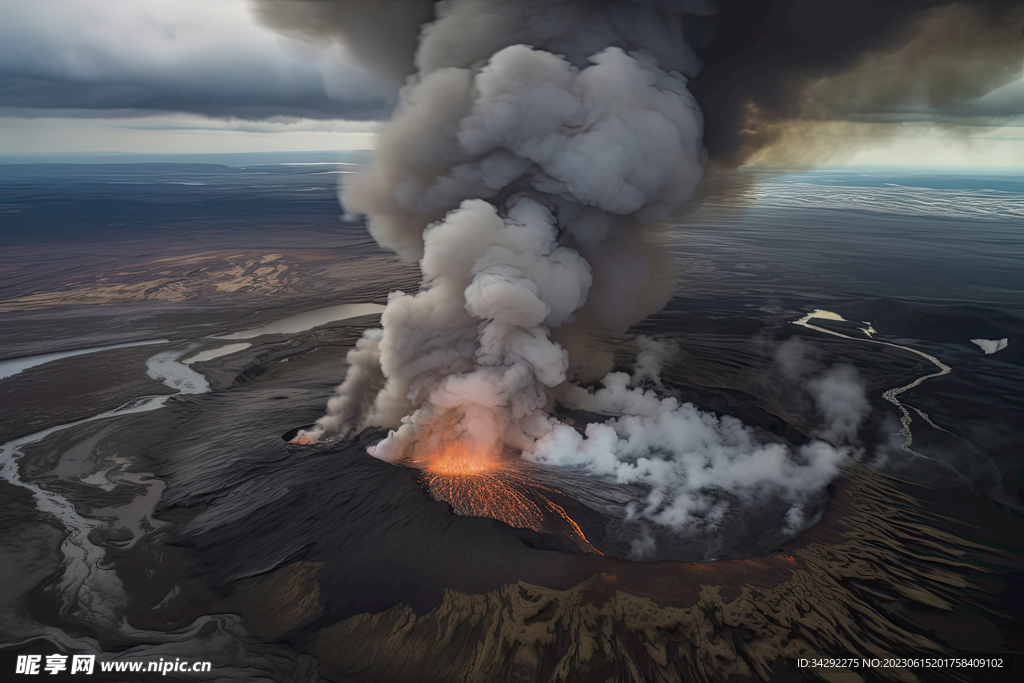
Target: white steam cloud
x=683, y=456
x=526, y=158
x=840, y=398
x=837, y=393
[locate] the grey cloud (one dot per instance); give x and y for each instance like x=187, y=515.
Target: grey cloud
x=1005, y=101
x=765, y=62
x=63, y=58
x=380, y=33
x=778, y=61
x=26, y=96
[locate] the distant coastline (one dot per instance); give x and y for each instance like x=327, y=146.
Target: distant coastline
x=223, y=158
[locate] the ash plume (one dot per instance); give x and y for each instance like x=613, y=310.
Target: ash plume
x=530, y=159
x=760, y=70
x=526, y=159
x=774, y=66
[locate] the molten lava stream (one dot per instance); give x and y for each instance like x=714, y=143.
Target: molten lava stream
x=479, y=484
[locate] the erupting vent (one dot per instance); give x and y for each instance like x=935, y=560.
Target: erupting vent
x=457, y=458
x=508, y=494
x=477, y=481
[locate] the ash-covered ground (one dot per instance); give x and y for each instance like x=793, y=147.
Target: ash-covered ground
x=151, y=507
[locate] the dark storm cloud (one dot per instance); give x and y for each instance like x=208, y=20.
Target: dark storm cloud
x=849, y=59
x=766, y=62
x=64, y=58
x=381, y=33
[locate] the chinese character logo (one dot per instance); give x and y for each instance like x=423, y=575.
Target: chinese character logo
x=28, y=664
x=82, y=664
x=33, y=664
x=56, y=663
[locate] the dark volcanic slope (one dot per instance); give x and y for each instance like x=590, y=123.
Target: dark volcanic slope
x=382, y=539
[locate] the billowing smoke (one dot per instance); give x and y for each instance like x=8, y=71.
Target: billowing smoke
x=528, y=158
x=776, y=67
x=525, y=160
x=769, y=69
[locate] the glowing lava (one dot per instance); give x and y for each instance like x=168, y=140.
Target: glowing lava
x=457, y=458
x=482, y=481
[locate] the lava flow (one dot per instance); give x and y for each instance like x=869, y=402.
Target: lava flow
x=478, y=482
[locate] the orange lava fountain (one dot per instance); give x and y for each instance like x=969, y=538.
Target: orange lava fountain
x=484, y=482
x=457, y=459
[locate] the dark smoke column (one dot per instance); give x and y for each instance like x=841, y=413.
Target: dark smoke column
x=527, y=154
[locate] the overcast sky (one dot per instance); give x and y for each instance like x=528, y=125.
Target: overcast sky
x=203, y=76
x=173, y=75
